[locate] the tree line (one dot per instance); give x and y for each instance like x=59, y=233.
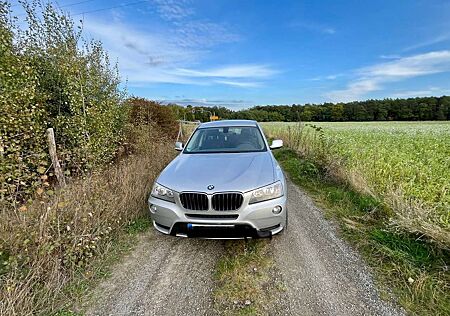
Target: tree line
x=411, y=109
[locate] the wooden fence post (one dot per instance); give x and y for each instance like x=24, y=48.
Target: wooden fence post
x=52, y=150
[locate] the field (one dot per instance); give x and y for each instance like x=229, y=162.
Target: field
x=406, y=165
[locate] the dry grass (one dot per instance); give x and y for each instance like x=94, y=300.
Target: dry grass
x=405, y=264
x=245, y=284
x=46, y=243
x=417, y=218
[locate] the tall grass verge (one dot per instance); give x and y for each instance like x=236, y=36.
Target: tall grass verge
x=407, y=179
x=44, y=244
x=414, y=269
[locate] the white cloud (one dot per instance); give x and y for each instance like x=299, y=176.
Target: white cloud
x=232, y=71
x=161, y=57
x=203, y=33
x=420, y=93
x=422, y=64
x=313, y=26
x=373, y=78
x=393, y=56
x=142, y=57
x=189, y=31
x=174, y=53
x=239, y=83
x=237, y=104
x=172, y=10
x=435, y=40
x=328, y=77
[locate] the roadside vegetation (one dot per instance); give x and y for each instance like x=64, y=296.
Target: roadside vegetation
x=363, y=175
x=404, y=165
x=244, y=275
x=54, y=239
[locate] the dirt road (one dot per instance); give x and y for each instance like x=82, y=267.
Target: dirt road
x=163, y=276
x=322, y=274
x=170, y=276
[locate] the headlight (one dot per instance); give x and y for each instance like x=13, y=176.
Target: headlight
x=163, y=193
x=269, y=192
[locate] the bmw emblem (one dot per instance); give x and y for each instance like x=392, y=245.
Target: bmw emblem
x=210, y=187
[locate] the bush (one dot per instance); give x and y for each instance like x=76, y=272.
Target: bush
x=145, y=112
x=52, y=77
x=43, y=246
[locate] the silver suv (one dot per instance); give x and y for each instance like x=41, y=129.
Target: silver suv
x=225, y=183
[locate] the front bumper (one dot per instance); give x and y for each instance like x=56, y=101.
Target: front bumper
x=251, y=220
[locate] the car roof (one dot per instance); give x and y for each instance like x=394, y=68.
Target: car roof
x=228, y=123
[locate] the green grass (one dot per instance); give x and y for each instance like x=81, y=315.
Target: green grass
x=405, y=165
x=415, y=270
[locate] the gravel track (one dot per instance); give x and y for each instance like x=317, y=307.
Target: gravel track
x=163, y=275
x=322, y=275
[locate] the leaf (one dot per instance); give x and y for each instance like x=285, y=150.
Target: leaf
x=41, y=170
x=40, y=191
x=61, y=204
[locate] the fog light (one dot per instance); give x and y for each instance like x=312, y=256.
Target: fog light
x=277, y=209
x=153, y=208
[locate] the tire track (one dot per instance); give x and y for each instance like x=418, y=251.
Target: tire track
x=164, y=275
x=322, y=274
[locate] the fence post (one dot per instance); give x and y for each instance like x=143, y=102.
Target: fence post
x=52, y=150
x=180, y=132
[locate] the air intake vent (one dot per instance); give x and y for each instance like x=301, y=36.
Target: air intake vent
x=227, y=201
x=194, y=201
x=221, y=216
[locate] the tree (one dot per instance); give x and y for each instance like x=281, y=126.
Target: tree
x=337, y=112
x=429, y=108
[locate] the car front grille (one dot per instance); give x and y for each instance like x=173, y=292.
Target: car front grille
x=194, y=201
x=227, y=201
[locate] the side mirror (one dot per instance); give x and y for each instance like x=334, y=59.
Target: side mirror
x=276, y=143
x=179, y=146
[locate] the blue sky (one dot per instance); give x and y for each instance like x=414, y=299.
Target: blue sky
x=242, y=53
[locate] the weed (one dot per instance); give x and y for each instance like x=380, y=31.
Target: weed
x=138, y=225
x=243, y=278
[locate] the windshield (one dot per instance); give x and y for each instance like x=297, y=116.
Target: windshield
x=226, y=139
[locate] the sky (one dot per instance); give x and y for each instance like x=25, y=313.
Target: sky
x=244, y=53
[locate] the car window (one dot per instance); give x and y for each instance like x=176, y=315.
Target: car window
x=226, y=139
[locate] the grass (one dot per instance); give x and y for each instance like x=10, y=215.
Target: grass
x=416, y=271
x=77, y=292
x=55, y=243
x=405, y=165
x=243, y=274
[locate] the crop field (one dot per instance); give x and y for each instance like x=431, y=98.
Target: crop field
x=404, y=164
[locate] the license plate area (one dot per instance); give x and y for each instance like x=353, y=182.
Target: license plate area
x=214, y=230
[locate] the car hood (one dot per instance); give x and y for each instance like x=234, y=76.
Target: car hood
x=227, y=172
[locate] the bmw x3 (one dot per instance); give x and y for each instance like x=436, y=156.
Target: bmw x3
x=225, y=183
